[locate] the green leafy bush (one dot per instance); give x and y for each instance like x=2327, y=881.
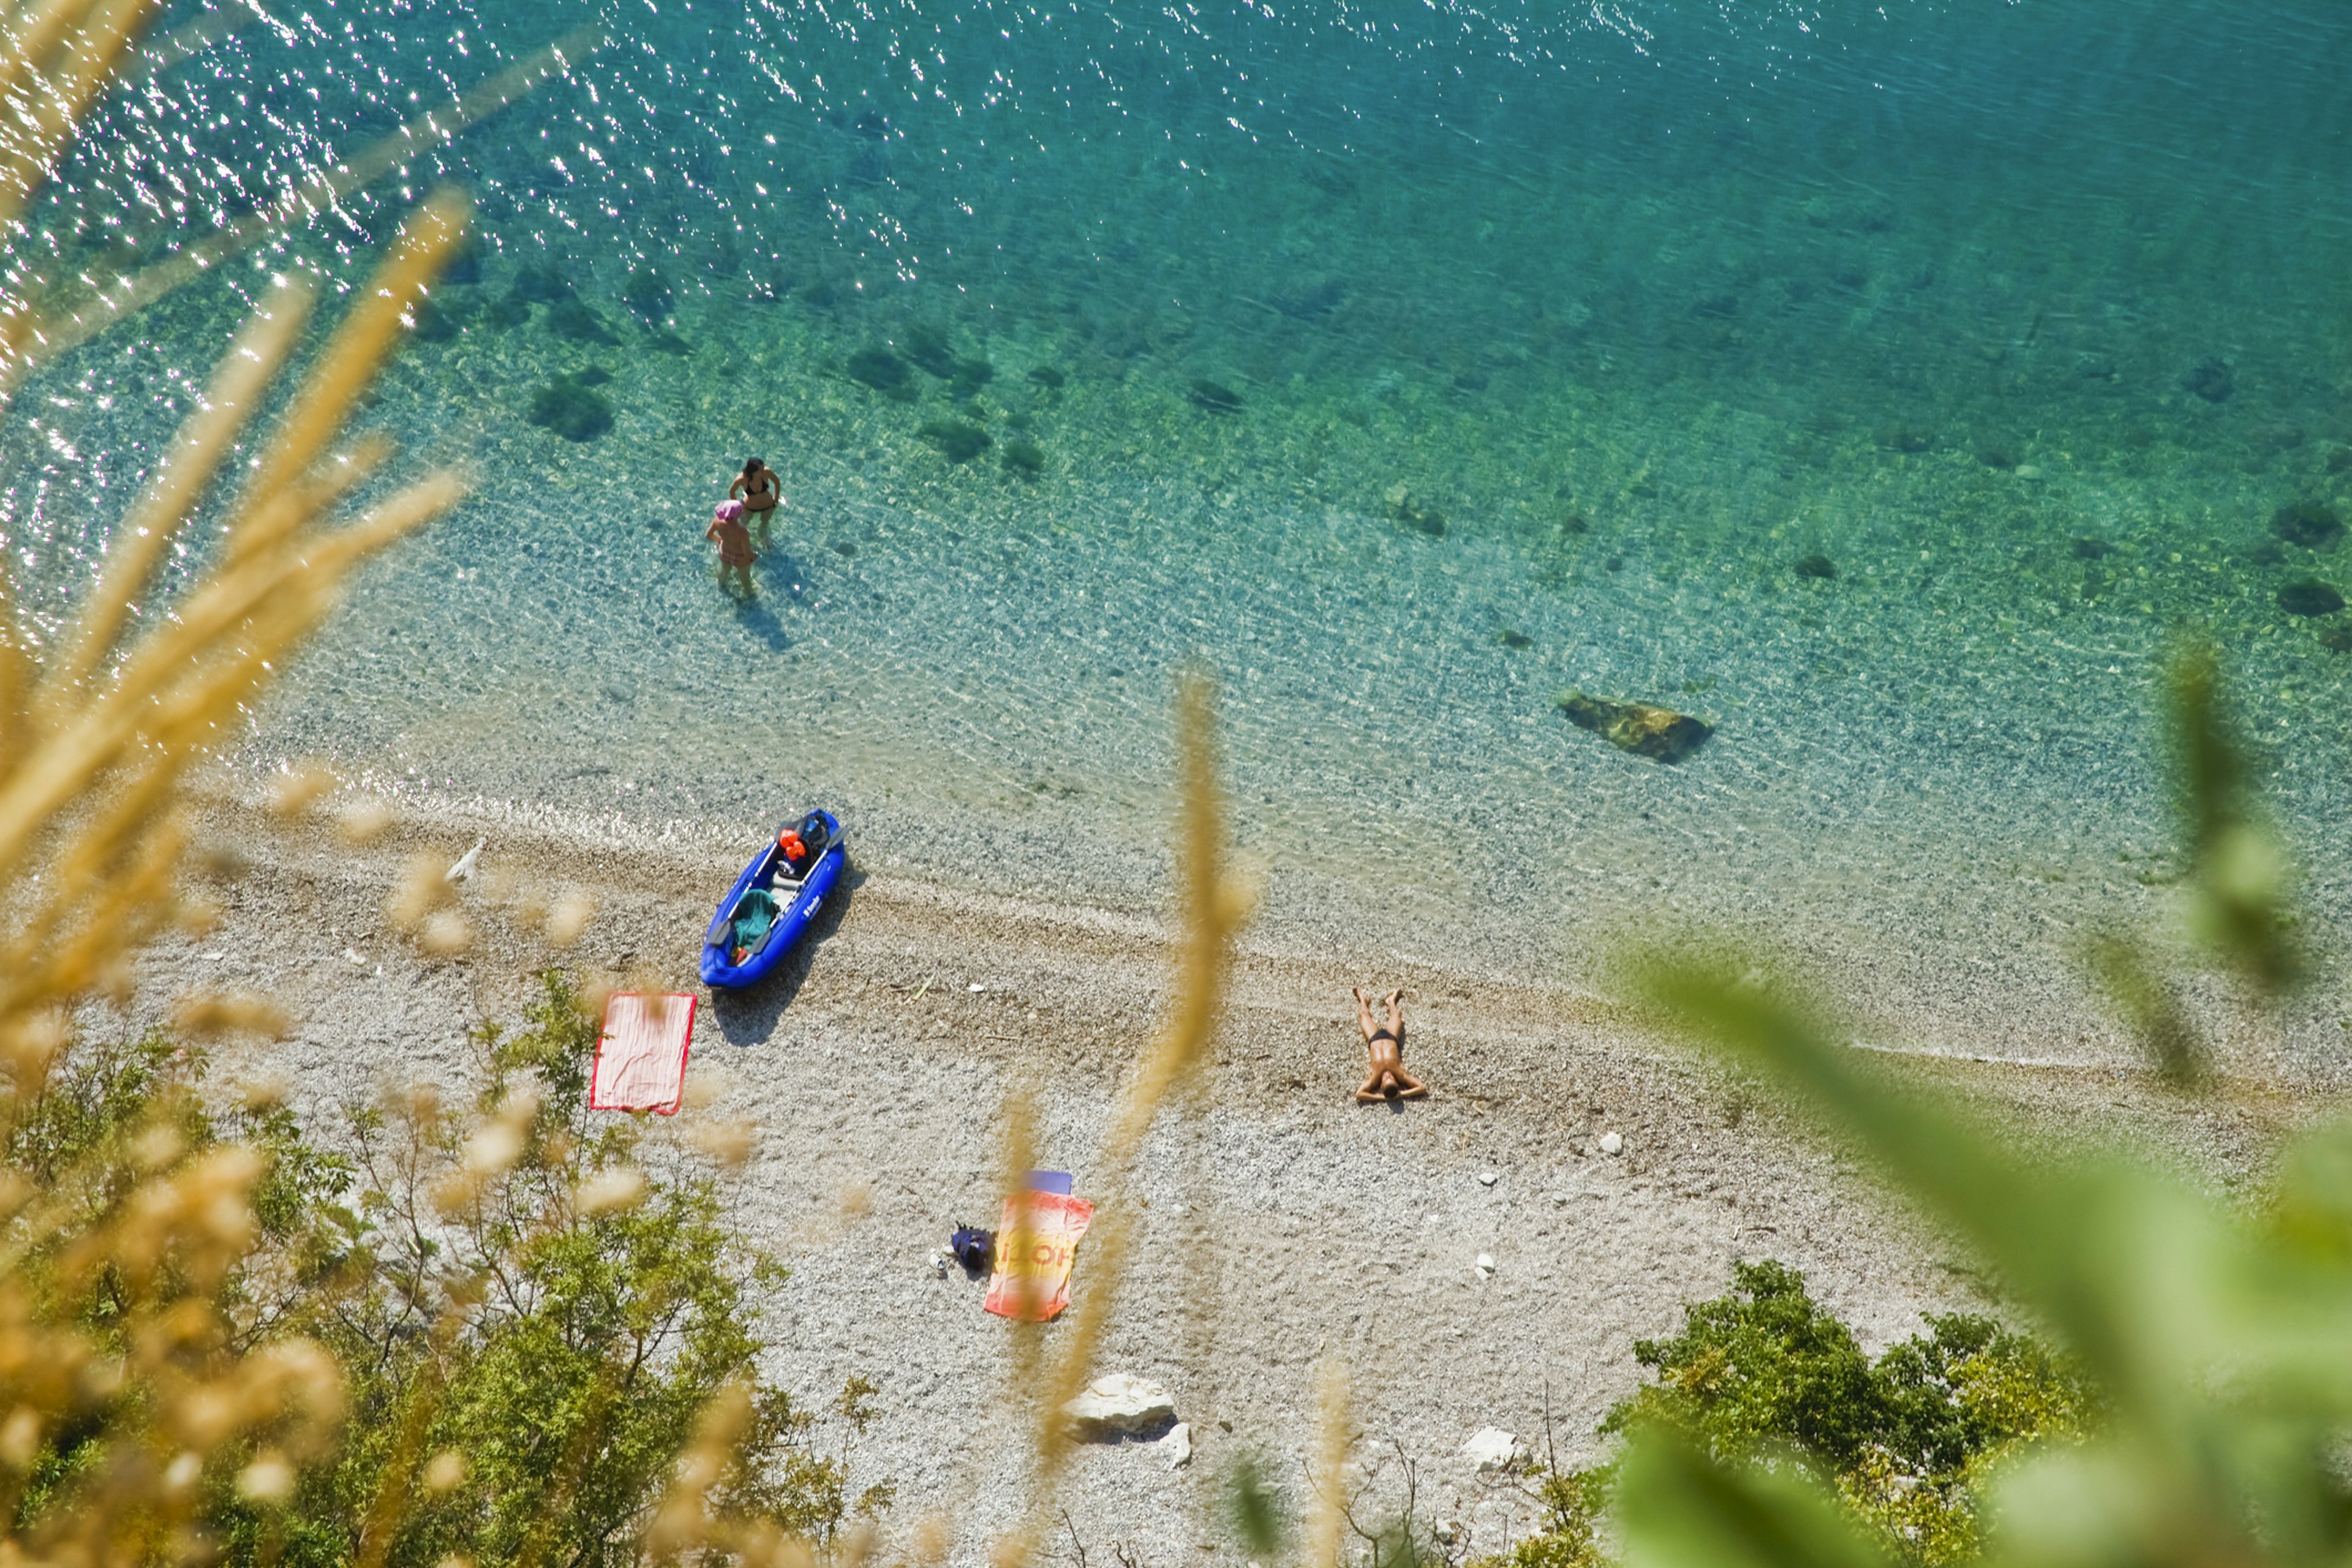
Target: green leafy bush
x=517, y=1333
x=1762, y=1376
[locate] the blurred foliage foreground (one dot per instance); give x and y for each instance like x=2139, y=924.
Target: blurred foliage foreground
x=1761, y=1376
x=479, y=1333
x=2204, y=1401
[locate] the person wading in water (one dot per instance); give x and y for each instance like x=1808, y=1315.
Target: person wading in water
x=734, y=542
x=757, y=488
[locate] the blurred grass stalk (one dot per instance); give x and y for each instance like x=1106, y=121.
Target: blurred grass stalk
x=1213, y=906
x=96, y=736
x=2237, y=905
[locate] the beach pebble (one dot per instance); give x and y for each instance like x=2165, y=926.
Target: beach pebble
x=464, y=869
x=1491, y=1448
x=1179, y=1444
x=1487, y=1178
x=1485, y=1264
x=1612, y=1143
x=975, y=986
x=1120, y=1403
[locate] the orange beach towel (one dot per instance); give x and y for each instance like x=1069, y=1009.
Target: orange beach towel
x=1035, y=1244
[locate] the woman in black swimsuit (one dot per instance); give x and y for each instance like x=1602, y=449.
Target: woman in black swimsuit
x=1386, y=1079
x=757, y=489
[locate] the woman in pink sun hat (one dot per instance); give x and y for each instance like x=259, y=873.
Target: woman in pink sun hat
x=734, y=542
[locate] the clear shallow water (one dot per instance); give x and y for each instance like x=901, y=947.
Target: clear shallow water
x=1408, y=365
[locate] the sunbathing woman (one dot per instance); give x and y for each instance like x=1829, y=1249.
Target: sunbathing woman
x=757, y=488
x=1386, y=1079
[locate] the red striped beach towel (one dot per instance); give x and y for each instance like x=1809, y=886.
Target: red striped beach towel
x=641, y=1056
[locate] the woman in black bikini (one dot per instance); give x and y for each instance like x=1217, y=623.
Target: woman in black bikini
x=757, y=489
x=1387, y=1080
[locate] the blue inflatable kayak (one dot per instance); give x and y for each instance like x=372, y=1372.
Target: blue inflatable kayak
x=774, y=901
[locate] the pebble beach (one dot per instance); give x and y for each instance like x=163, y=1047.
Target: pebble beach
x=1667, y=473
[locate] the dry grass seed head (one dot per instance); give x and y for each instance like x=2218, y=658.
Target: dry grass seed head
x=363, y=821
x=570, y=918
x=729, y=1142
x=206, y=1015
x=295, y=790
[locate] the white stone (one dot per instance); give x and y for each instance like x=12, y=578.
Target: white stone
x=1179, y=1444
x=1491, y=1450
x=1487, y=1178
x=1485, y=1264
x=1119, y=1403
x=464, y=869
x=1612, y=1143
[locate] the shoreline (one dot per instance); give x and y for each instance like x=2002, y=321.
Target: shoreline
x=1284, y=1224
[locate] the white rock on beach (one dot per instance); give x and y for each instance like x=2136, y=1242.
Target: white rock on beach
x=1120, y=1403
x=1485, y=1264
x=1491, y=1448
x=1179, y=1444
x=465, y=863
x=1612, y=1143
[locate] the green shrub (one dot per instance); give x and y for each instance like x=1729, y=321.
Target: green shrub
x=1762, y=1376
x=519, y=1369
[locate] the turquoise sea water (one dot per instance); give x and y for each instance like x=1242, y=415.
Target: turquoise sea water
x=1881, y=383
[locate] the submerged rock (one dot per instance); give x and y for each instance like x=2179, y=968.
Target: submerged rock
x=542, y=284
x=1659, y=733
x=957, y=441
x=507, y=311
x=647, y=294
x=2336, y=640
x=883, y=371
x=2210, y=379
x=574, y=411
x=928, y=348
x=1816, y=565
x=2309, y=524
x=1213, y=396
x=464, y=262
x=571, y=317
x=1414, y=511
x=2309, y=599
x=1024, y=457
x=437, y=320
